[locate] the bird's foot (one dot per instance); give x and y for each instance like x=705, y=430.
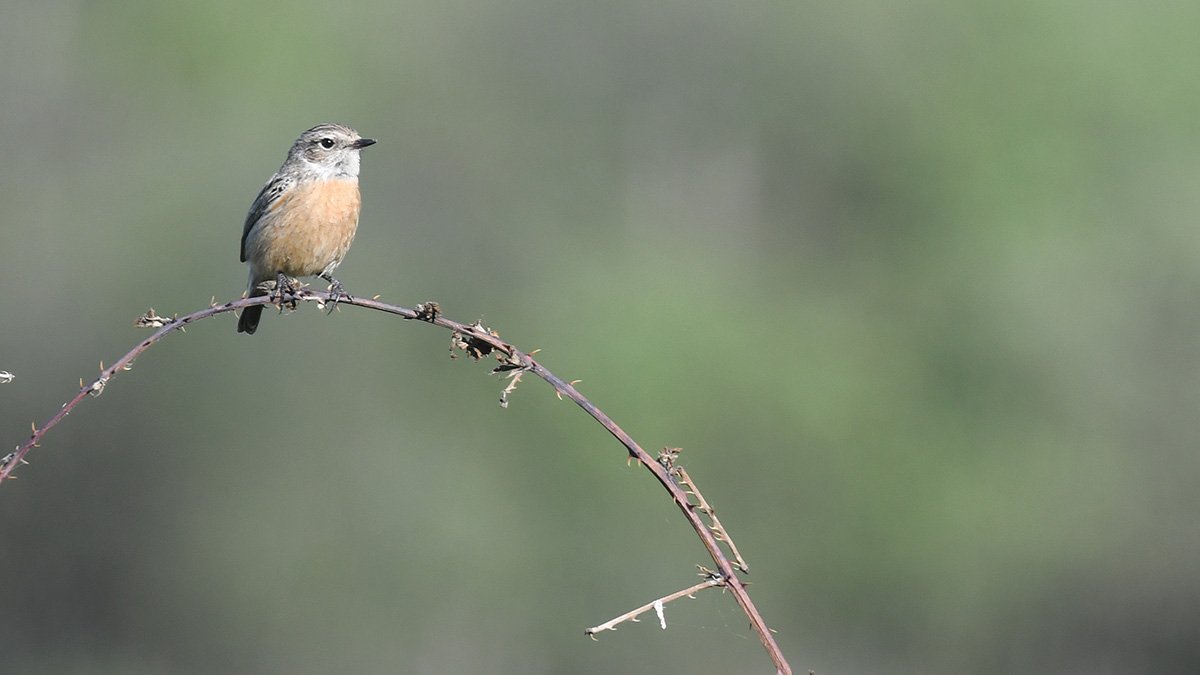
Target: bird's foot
x=336, y=292
x=284, y=286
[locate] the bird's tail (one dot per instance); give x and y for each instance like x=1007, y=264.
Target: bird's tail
x=248, y=321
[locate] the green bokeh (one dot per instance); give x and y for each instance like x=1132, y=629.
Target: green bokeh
x=913, y=286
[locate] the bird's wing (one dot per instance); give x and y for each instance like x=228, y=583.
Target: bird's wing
x=267, y=198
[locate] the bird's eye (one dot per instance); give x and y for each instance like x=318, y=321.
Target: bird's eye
x=327, y=143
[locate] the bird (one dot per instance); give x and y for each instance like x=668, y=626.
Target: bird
x=304, y=219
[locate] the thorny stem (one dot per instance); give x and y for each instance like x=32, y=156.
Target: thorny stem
x=516, y=360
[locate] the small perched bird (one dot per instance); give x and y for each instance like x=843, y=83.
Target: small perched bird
x=304, y=219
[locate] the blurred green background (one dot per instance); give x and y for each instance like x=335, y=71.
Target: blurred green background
x=913, y=285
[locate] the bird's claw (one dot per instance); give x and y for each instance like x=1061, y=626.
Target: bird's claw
x=284, y=286
x=336, y=293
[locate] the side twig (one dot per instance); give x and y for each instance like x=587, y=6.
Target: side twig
x=477, y=341
x=711, y=580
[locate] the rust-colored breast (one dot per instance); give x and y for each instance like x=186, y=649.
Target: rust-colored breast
x=307, y=230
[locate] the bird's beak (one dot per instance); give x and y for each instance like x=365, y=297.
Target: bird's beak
x=362, y=143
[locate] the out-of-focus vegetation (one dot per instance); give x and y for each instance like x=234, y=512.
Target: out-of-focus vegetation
x=914, y=286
